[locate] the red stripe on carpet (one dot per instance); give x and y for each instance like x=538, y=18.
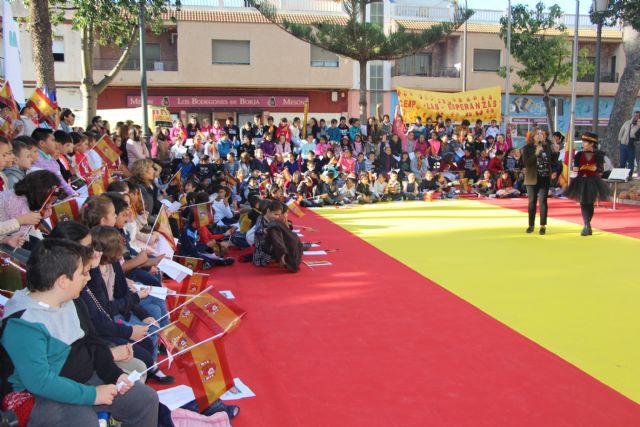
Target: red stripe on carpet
x=369, y=342
x=625, y=220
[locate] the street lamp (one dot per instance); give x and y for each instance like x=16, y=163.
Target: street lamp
x=599, y=6
x=143, y=73
x=574, y=80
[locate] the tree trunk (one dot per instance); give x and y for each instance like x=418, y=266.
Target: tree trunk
x=549, y=110
x=90, y=90
x=363, y=92
x=625, y=99
x=42, y=43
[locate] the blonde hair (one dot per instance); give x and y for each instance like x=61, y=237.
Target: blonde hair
x=139, y=168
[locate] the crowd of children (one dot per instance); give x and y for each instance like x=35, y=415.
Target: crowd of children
x=87, y=280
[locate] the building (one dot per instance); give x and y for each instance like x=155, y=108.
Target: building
x=221, y=58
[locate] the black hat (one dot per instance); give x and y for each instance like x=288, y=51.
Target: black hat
x=590, y=137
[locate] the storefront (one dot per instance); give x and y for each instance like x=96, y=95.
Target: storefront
x=222, y=103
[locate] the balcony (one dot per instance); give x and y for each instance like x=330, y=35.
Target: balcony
x=134, y=64
x=604, y=78
x=421, y=71
x=315, y=6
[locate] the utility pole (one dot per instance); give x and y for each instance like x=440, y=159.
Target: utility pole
x=507, y=98
x=574, y=82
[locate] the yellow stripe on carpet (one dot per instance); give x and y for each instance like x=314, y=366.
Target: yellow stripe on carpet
x=579, y=297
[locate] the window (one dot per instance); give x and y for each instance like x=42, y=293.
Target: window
x=323, y=58
x=376, y=13
x=376, y=85
x=153, y=58
x=414, y=65
x=231, y=52
x=486, y=59
x=58, y=49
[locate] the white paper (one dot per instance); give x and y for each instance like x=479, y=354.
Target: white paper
x=315, y=245
x=239, y=391
x=174, y=270
x=154, y=291
x=311, y=253
x=300, y=235
x=175, y=397
x=162, y=247
x=227, y=294
x=297, y=231
x=171, y=206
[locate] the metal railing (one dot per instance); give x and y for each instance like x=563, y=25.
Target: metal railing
x=134, y=64
x=317, y=6
x=411, y=70
x=481, y=16
x=604, y=78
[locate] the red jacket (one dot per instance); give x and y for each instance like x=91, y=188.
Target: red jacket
x=495, y=166
x=206, y=236
x=283, y=130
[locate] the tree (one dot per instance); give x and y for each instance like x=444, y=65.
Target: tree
x=628, y=12
x=540, y=45
x=360, y=40
x=42, y=43
x=100, y=23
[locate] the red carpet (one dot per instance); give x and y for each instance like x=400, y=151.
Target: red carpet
x=369, y=342
x=625, y=220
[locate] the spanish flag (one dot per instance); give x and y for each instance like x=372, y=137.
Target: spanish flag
x=47, y=109
x=99, y=184
x=295, y=208
x=162, y=226
x=202, y=214
x=191, y=285
x=64, y=211
x=205, y=364
x=107, y=150
x=137, y=204
x=564, y=177
x=6, y=130
x=208, y=372
x=194, y=264
x=219, y=316
x=6, y=97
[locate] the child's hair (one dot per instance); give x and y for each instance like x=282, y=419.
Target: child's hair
x=94, y=209
x=4, y=140
x=62, y=137
x=118, y=200
x=51, y=259
x=70, y=230
x=200, y=197
x=21, y=143
x=272, y=206
x=41, y=134
x=35, y=186
x=118, y=187
x=109, y=241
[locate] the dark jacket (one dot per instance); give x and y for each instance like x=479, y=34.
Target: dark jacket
x=530, y=162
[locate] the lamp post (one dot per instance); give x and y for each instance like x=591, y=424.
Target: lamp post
x=143, y=75
x=599, y=6
x=464, y=53
x=507, y=99
x=574, y=80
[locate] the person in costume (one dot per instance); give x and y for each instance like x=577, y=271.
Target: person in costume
x=587, y=186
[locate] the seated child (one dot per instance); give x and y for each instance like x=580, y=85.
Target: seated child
x=410, y=187
x=504, y=186
x=55, y=353
x=485, y=186
x=394, y=188
x=429, y=186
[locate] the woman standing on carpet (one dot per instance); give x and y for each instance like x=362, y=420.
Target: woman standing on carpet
x=588, y=186
x=538, y=157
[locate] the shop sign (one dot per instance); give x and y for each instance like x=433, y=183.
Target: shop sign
x=234, y=102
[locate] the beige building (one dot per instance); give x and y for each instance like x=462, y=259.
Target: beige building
x=224, y=59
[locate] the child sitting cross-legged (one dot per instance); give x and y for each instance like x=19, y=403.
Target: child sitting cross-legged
x=55, y=353
x=505, y=186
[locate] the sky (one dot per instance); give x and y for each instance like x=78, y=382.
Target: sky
x=568, y=6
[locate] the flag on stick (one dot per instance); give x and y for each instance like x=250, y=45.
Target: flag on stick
x=46, y=108
x=194, y=264
x=100, y=183
x=295, y=208
x=202, y=214
x=6, y=97
x=163, y=227
x=64, y=211
x=107, y=150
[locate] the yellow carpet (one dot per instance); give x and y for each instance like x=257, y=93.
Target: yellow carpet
x=577, y=297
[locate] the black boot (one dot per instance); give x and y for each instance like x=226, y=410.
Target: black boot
x=530, y=229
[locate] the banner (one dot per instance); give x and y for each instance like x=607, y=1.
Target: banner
x=12, y=58
x=484, y=104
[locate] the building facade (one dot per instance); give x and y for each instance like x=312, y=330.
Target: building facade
x=221, y=58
